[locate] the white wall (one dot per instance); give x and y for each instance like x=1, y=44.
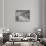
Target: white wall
x=1, y=14
x=44, y=18
x=9, y=15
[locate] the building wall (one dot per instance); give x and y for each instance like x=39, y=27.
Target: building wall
x=35, y=7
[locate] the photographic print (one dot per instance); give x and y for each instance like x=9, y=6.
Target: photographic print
x=22, y=15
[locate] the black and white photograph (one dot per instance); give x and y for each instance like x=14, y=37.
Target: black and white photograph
x=22, y=22
x=22, y=15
